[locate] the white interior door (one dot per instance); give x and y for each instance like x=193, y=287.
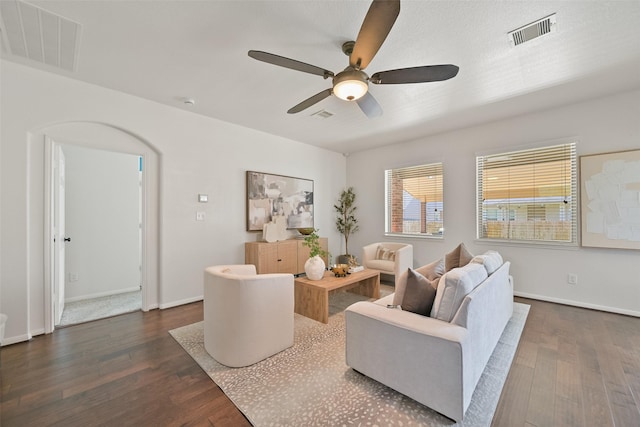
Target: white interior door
x=59, y=233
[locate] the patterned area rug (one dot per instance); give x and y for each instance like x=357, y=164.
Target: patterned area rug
x=309, y=384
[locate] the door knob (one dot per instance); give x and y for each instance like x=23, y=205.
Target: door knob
x=67, y=239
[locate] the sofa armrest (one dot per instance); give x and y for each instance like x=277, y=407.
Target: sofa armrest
x=418, y=356
x=236, y=269
x=369, y=252
x=403, y=260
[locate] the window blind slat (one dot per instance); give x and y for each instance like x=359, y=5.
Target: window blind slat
x=528, y=195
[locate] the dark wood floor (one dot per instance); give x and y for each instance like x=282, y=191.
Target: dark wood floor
x=125, y=370
x=574, y=367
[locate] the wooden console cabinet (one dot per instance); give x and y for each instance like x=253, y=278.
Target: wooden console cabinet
x=285, y=256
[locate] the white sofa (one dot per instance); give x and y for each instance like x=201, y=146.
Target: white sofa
x=435, y=361
x=402, y=257
x=247, y=316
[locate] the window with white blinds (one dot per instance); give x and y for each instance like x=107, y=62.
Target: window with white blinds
x=414, y=200
x=528, y=195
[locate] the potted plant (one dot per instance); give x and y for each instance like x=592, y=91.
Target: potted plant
x=315, y=266
x=346, y=221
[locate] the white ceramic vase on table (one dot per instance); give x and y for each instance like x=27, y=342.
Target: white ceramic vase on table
x=314, y=268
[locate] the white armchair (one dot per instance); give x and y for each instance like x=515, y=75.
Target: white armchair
x=402, y=258
x=247, y=316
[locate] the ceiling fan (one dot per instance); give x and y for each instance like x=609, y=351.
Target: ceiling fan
x=352, y=84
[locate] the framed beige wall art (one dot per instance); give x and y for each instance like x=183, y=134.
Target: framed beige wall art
x=610, y=199
x=270, y=196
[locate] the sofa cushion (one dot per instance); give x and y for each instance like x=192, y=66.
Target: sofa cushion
x=458, y=257
x=453, y=287
x=491, y=260
x=432, y=272
x=385, y=254
x=419, y=294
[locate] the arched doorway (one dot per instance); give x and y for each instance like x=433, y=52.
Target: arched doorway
x=103, y=137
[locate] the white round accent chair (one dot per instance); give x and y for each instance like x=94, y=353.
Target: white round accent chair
x=247, y=316
x=388, y=257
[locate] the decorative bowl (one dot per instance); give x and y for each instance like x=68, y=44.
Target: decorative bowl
x=305, y=230
x=340, y=270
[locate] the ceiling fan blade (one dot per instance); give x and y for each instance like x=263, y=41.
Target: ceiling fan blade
x=427, y=73
x=377, y=23
x=310, y=101
x=289, y=63
x=369, y=106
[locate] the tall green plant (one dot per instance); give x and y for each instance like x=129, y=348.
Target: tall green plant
x=346, y=221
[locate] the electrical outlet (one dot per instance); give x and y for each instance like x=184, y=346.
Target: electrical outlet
x=199, y=216
x=572, y=279
x=73, y=277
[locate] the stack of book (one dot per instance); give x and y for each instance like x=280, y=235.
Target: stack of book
x=356, y=269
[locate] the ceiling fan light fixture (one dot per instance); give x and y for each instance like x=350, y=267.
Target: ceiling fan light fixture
x=350, y=85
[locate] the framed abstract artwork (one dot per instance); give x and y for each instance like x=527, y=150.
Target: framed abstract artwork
x=270, y=195
x=610, y=200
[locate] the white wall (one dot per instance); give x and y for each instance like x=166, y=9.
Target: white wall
x=196, y=155
x=102, y=220
x=607, y=278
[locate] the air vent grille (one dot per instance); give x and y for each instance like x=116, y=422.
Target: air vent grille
x=532, y=31
x=34, y=33
x=322, y=114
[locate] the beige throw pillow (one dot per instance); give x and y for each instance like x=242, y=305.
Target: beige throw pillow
x=433, y=272
x=458, y=257
x=385, y=254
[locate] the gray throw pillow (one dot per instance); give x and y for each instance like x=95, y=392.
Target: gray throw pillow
x=432, y=272
x=419, y=294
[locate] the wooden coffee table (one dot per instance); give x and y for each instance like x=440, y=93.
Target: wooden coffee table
x=312, y=296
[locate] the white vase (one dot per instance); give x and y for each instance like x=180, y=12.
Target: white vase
x=314, y=268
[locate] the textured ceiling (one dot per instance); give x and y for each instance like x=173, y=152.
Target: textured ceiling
x=167, y=51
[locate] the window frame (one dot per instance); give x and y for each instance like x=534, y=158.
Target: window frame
x=570, y=146
x=434, y=168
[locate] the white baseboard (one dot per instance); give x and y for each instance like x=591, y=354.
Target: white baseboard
x=16, y=339
x=102, y=294
x=180, y=302
x=579, y=304
x=37, y=332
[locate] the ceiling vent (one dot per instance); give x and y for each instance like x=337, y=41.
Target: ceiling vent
x=322, y=114
x=533, y=31
x=34, y=33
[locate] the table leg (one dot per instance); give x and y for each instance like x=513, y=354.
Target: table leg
x=312, y=302
x=369, y=287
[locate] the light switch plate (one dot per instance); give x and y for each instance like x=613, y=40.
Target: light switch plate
x=203, y=198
